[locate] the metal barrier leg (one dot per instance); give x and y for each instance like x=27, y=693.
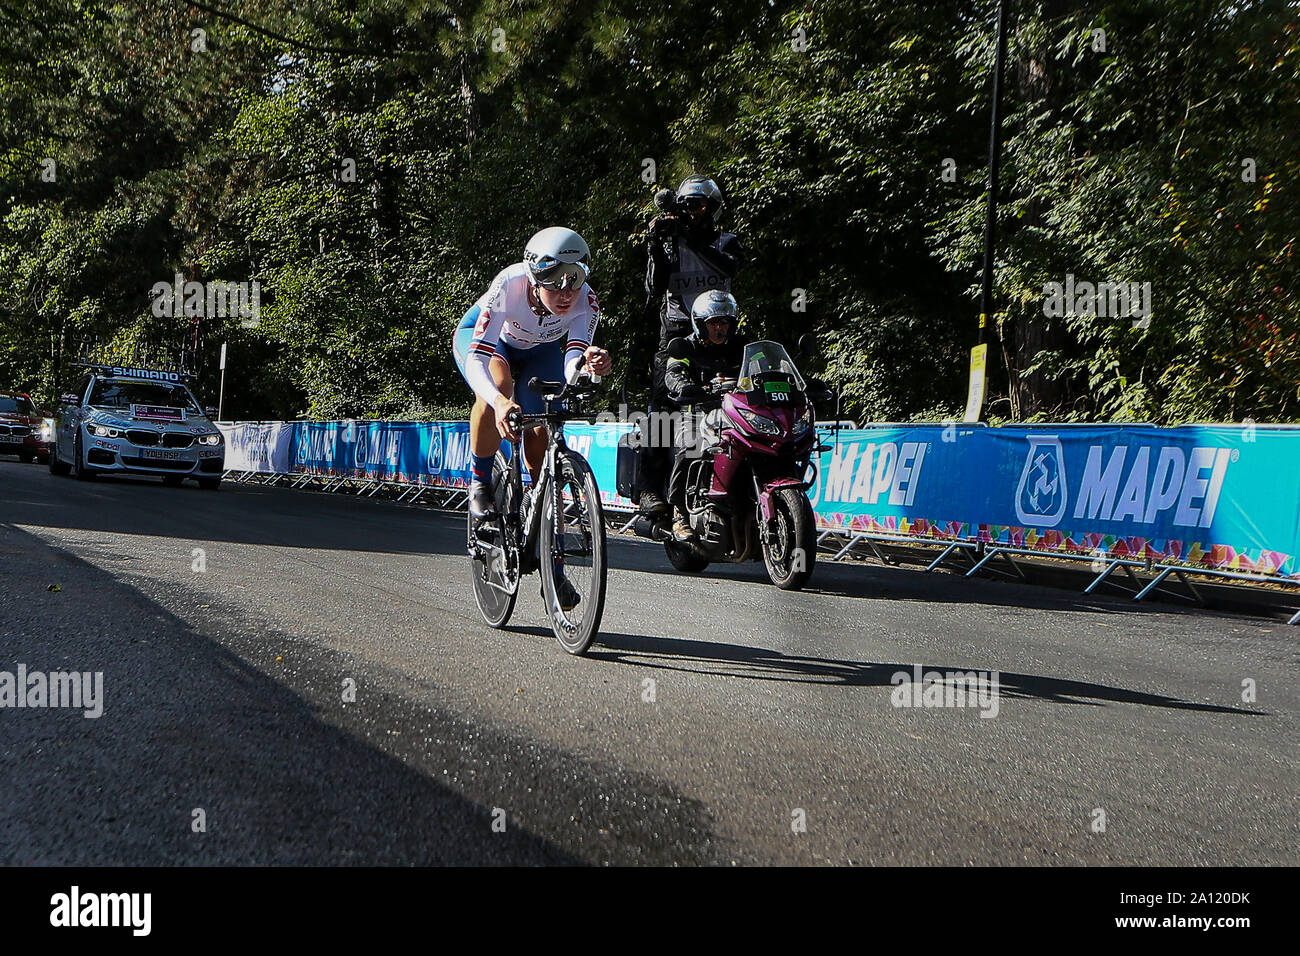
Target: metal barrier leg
x=989, y=556
x=1104, y=574
x=1155, y=583
x=1165, y=571
x=631, y=521
x=1295, y=619
x=939, y=560
x=879, y=554
x=853, y=539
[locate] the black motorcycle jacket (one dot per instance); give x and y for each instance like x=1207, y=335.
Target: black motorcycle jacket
x=685, y=376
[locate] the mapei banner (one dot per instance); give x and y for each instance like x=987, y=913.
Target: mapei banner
x=425, y=453
x=1225, y=497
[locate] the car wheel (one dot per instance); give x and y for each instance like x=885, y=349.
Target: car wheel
x=56, y=467
x=79, y=469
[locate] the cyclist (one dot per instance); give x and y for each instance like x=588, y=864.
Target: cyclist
x=687, y=254
x=714, y=350
x=537, y=318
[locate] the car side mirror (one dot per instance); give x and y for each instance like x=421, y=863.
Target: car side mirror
x=807, y=344
x=678, y=348
x=68, y=398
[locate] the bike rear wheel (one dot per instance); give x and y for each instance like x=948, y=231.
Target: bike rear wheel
x=494, y=554
x=573, y=551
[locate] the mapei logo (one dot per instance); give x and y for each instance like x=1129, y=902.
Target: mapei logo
x=433, y=460
x=1042, y=493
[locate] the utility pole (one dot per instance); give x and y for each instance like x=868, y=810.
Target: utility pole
x=979, y=354
x=221, y=395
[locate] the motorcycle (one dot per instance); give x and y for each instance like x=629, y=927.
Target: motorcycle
x=747, y=489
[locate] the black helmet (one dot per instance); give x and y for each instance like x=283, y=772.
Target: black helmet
x=713, y=305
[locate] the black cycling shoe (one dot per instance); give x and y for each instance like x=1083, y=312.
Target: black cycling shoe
x=566, y=593
x=480, y=499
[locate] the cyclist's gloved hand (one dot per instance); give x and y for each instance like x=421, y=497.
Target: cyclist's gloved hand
x=502, y=408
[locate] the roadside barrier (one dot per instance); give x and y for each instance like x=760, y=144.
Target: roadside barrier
x=1221, y=501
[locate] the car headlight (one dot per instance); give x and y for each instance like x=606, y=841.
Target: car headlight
x=213, y=439
x=764, y=426
x=103, y=431
x=47, y=430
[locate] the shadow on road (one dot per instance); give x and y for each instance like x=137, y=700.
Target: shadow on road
x=226, y=726
x=721, y=659
x=879, y=582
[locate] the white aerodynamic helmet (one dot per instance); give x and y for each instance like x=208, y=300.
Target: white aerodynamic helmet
x=557, y=258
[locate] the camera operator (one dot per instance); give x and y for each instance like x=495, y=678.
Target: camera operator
x=687, y=254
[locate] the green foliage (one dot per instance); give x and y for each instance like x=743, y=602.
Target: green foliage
x=470, y=125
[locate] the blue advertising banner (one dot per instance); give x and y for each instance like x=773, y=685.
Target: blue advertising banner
x=1225, y=497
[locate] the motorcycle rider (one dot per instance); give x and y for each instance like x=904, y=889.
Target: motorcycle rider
x=687, y=254
x=537, y=318
x=712, y=350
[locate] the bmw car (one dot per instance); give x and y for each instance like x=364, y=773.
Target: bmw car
x=23, y=429
x=136, y=421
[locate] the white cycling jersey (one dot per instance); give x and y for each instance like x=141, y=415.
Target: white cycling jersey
x=505, y=316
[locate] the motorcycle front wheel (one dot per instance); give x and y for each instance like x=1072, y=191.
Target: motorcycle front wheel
x=791, y=550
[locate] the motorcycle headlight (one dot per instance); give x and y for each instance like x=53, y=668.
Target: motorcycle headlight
x=802, y=423
x=764, y=426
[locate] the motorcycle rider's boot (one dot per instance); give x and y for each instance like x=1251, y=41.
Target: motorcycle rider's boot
x=652, y=503
x=682, y=529
x=480, y=499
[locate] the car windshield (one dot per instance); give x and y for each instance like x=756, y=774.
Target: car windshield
x=767, y=361
x=15, y=404
x=117, y=393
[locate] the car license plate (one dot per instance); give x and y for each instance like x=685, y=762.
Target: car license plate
x=160, y=453
x=10, y=439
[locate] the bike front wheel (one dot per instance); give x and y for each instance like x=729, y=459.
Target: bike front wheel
x=573, y=554
x=494, y=555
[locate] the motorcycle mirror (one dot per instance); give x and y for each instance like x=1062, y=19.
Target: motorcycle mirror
x=807, y=344
x=678, y=348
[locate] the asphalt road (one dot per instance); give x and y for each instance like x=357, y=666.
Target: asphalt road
x=770, y=738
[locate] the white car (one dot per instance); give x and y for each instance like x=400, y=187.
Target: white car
x=136, y=421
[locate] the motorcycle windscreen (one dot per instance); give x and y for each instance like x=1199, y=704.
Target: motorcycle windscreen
x=767, y=361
